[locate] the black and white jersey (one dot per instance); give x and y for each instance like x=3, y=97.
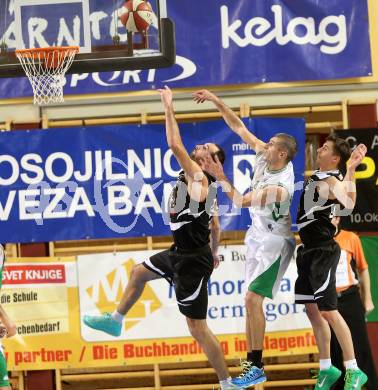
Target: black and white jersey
x=315, y=213
x=189, y=219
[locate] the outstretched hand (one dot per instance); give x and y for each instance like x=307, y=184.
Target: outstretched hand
x=357, y=156
x=369, y=306
x=212, y=165
x=166, y=96
x=203, y=95
x=216, y=261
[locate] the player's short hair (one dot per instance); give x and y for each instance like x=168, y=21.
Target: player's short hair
x=220, y=154
x=342, y=149
x=289, y=144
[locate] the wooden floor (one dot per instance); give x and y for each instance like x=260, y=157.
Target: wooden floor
x=289, y=373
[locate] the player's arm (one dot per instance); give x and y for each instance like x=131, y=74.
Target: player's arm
x=268, y=195
x=364, y=279
x=197, y=181
x=232, y=120
x=363, y=273
x=345, y=191
x=7, y=323
x=215, y=232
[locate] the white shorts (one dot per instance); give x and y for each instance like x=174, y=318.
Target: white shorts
x=266, y=262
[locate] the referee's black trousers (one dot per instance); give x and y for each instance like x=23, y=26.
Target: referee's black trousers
x=351, y=308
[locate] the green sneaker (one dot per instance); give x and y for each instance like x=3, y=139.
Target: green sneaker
x=326, y=378
x=105, y=323
x=354, y=379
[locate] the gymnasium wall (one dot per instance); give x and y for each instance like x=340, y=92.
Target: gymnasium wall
x=323, y=104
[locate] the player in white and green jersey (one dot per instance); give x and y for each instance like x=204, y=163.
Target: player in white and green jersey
x=270, y=242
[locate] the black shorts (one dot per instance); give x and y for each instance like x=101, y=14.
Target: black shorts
x=188, y=273
x=316, y=282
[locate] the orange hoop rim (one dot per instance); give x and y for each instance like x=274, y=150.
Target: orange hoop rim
x=44, y=51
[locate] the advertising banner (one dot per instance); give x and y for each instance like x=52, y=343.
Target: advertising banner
x=220, y=43
x=365, y=213
x=47, y=299
x=107, y=181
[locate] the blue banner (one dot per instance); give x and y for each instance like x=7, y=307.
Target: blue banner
x=103, y=182
x=234, y=42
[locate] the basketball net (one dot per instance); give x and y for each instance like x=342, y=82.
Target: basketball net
x=46, y=68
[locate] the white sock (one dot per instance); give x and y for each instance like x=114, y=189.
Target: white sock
x=225, y=383
x=325, y=364
x=117, y=316
x=351, y=364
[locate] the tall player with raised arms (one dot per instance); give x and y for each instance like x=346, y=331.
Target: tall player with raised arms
x=270, y=241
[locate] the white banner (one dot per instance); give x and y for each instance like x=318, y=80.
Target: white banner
x=103, y=278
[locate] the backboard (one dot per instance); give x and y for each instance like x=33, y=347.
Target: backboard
x=93, y=25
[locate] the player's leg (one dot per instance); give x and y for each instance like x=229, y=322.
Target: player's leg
x=328, y=374
x=252, y=368
x=354, y=378
x=140, y=275
x=304, y=294
x=322, y=331
x=337, y=361
x=248, y=332
x=256, y=317
x=156, y=267
x=266, y=263
x=323, y=281
x=342, y=332
x=210, y=345
x=246, y=364
x=265, y=266
x=190, y=282
x=273, y=258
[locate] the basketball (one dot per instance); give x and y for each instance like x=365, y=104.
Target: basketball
x=138, y=15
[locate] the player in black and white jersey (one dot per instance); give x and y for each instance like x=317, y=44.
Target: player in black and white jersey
x=188, y=264
x=327, y=193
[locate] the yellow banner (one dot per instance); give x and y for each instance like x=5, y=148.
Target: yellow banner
x=42, y=295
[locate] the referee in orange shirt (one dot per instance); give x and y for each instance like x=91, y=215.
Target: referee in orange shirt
x=354, y=302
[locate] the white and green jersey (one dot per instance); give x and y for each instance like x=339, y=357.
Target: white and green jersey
x=273, y=218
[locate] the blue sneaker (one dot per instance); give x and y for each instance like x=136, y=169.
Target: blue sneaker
x=245, y=366
x=105, y=323
x=251, y=375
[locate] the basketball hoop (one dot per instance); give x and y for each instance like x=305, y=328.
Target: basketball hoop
x=46, y=68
